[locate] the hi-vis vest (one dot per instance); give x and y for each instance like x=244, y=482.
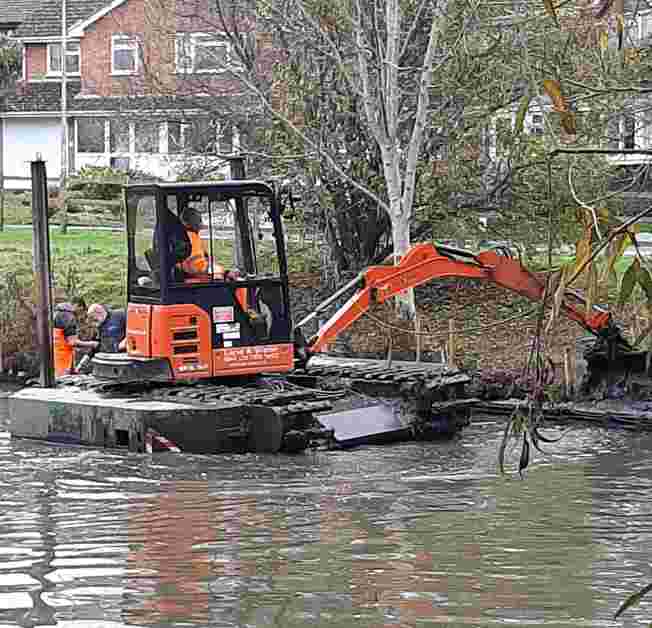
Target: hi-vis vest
x=64, y=353
x=197, y=262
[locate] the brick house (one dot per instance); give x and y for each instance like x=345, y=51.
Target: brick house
x=151, y=85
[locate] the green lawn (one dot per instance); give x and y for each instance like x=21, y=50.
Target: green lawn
x=93, y=263
x=89, y=263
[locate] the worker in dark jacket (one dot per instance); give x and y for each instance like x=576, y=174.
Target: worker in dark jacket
x=111, y=327
x=65, y=339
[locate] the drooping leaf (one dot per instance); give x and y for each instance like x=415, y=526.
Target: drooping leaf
x=643, y=335
x=525, y=455
x=503, y=445
x=553, y=89
x=633, y=600
x=521, y=113
x=603, y=215
x=620, y=29
x=629, y=281
x=645, y=281
x=616, y=248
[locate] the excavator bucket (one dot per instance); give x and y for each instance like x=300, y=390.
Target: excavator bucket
x=370, y=425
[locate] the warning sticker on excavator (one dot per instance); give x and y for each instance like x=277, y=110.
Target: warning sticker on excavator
x=223, y=314
x=227, y=328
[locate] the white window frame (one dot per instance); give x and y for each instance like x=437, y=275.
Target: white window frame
x=68, y=53
x=207, y=40
x=644, y=16
x=122, y=41
x=131, y=152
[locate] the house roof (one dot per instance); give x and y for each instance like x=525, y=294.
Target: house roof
x=12, y=12
x=43, y=17
x=45, y=98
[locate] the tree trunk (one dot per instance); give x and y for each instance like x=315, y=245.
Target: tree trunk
x=405, y=302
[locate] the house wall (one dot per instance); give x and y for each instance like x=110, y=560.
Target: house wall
x=23, y=139
x=156, y=22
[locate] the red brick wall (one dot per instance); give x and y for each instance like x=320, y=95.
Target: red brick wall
x=156, y=21
x=35, y=61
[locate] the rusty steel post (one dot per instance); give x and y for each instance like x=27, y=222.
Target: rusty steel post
x=41, y=248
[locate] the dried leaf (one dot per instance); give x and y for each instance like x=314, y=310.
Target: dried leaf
x=558, y=299
x=631, y=56
x=620, y=29
x=568, y=122
x=582, y=251
x=629, y=281
x=553, y=89
x=521, y=113
x=603, y=215
x=592, y=287
x=604, y=40
x=551, y=10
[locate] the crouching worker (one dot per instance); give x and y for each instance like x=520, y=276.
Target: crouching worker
x=65, y=339
x=111, y=327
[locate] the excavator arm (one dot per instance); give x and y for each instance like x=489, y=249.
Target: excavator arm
x=425, y=262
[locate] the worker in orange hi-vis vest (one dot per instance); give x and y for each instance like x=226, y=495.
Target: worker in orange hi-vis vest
x=196, y=265
x=65, y=338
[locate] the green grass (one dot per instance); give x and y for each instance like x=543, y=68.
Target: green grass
x=89, y=263
x=93, y=263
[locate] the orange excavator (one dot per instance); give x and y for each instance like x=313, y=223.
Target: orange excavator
x=425, y=262
x=237, y=321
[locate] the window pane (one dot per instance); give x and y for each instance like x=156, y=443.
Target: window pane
x=146, y=137
x=174, y=137
x=124, y=60
x=202, y=136
x=72, y=63
x=119, y=135
x=210, y=57
x=184, y=54
x=90, y=135
x=226, y=139
x=55, y=57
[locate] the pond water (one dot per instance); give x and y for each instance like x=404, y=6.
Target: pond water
x=408, y=535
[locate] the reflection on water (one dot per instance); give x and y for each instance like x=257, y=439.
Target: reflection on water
x=411, y=535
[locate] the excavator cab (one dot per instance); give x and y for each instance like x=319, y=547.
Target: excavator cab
x=207, y=283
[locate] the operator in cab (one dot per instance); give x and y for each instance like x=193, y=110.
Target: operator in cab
x=65, y=339
x=196, y=266
x=111, y=327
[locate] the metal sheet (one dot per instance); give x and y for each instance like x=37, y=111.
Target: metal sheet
x=373, y=424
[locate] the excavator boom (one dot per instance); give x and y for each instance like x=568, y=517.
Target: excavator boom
x=425, y=262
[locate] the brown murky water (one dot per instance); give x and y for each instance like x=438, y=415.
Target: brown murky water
x=409, y=535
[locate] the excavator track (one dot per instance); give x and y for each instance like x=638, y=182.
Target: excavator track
x=331, y=402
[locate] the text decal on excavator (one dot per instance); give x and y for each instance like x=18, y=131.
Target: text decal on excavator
x=223, y=314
